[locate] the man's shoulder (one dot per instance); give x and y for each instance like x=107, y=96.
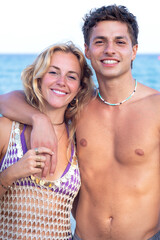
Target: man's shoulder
x=149, y=101
x=155, y=99
x=149, y=94
x=153, y=95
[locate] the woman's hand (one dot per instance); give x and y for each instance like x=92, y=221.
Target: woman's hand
x=32, y=162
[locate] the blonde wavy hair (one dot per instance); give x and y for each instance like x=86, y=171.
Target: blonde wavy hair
x=32, y=75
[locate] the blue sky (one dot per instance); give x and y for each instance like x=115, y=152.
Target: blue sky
x=29, y=26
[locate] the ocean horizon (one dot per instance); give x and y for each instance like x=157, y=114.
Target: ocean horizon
x=146, y=69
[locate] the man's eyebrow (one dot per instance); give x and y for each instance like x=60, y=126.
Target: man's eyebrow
x=116, y=37
x=99, y=37
x=121, y=37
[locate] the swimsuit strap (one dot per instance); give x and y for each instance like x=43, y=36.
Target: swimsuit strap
x=23, y=141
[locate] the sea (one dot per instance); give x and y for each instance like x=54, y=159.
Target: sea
x=146, y=69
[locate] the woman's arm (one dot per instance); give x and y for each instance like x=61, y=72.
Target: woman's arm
x=14, y=106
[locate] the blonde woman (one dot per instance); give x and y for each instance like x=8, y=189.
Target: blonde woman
x=58, y=84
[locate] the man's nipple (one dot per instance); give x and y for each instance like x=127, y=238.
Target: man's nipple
x=83, y=142
x=139, y=152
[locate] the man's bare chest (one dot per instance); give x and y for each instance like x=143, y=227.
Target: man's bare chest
x=133, y=137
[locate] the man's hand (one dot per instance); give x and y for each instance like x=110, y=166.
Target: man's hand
x=43, y=135
x=12, y=105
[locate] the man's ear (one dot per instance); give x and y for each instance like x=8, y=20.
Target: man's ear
x=87, y=54
x=134, y=51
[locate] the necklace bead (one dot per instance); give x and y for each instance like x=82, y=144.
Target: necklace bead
x=116, y=104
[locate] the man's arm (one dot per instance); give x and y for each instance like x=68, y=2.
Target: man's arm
x=14, y=106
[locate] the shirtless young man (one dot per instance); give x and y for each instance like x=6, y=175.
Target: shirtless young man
x=118, y=144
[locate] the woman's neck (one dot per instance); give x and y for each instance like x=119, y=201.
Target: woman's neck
x=56, y=116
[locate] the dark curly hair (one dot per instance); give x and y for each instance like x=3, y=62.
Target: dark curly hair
x=110, y=13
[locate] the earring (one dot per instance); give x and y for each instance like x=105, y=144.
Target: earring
x=74, y=103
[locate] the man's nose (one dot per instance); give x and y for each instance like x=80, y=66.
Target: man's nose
x=109, y=47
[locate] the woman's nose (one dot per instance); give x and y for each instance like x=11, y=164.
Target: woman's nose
x=61, y=80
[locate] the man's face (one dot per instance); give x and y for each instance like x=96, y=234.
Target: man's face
x=110, y=49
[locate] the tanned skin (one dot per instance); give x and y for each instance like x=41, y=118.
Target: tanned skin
x=117, y=146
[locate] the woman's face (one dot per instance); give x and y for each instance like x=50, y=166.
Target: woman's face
x=61, y=83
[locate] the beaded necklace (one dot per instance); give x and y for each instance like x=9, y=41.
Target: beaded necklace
x=116, y=104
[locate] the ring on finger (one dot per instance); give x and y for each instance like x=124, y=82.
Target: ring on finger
x=36, y=151
x=38, y=165
x=38, y=158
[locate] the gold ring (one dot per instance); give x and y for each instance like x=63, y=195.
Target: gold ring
x=38, y=158
x=38, y=165
x=36, y=151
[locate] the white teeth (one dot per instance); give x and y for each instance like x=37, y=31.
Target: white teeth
x=59, y=92
x=109, y=61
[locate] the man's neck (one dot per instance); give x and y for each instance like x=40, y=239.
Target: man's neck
x=116, y=90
